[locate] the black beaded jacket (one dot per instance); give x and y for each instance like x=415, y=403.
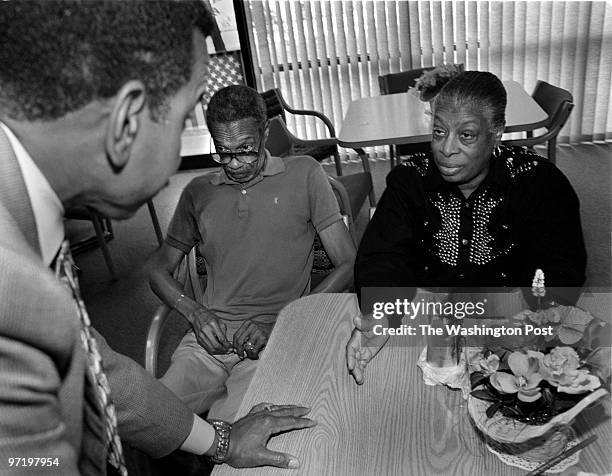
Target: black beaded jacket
x=425, y=233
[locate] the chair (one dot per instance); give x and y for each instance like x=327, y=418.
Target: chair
x=394, y=83
x=319, y=149
x=281, y=142
x=558, y=104
x=192, y=273
x=104, y=232
x=322, y=265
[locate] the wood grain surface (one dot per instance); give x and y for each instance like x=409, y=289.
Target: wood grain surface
x=392, y=425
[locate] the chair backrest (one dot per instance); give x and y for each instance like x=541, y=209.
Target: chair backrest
x=400, y=82
x=274, y=103
x=551, y=99
x=322, y=265
x=279, y=141
x=560, y=117
x=344, y=202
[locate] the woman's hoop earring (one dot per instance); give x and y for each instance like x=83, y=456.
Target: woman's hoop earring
x=496, y=151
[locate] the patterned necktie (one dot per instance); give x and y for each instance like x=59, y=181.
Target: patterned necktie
x=64, y=266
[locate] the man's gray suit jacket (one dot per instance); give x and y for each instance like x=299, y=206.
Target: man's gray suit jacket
x=45, y=404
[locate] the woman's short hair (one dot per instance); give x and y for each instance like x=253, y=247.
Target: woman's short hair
x=234, y=103
x=476, y=90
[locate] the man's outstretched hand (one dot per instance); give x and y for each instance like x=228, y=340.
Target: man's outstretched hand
x=251, y=433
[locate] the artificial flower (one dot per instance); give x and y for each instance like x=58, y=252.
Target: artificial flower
x=583, y=382
x=537, y=286
x=523, y=315
x=487, y=365
x=524, y=379
x=574, y=322
x=431, y=82
x=560, y=368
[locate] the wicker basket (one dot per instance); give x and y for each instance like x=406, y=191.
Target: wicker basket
x=534, y=443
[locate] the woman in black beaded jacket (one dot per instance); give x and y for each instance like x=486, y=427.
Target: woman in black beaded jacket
x=471, y=212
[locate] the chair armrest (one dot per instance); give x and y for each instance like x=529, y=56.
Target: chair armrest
x=315, y=142
x=303, y=142
x=320, y=115
x=556, y=124
x=534, y=140
x=153, y=335
x=184, y=274
x=308, y=112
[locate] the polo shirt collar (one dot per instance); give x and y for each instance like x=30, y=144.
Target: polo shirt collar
x=274, y=166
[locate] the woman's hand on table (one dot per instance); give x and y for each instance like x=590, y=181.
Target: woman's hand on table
x=363, y=345
x=250, y=435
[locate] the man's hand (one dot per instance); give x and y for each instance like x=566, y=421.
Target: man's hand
x=251, y=338
x=210, y=332
x=363, y=345
x=250, y=435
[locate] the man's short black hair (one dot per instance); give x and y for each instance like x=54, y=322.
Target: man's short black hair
x=236, y=102
x=57, y=56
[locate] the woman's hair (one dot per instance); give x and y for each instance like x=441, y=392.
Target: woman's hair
x=236, y=102
x=476, y=90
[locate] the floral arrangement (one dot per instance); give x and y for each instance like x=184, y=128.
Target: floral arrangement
x=431, y=82
x=547, y=375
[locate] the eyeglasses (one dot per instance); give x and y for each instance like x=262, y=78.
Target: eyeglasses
x=247, y=156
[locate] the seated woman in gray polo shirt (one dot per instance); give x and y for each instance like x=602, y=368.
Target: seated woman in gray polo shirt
x=254, y=222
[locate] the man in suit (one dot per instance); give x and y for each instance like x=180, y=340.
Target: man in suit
x=93, y=98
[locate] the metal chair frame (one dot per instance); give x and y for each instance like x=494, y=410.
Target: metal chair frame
x=277, y=106
x=281, y=142
x=104, y=232
x=558, y=104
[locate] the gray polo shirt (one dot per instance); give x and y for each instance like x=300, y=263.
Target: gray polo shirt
x=257, y=238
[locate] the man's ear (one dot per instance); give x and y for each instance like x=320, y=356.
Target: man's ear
x=124, y=123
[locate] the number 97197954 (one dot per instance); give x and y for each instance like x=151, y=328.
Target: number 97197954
x=33, y=461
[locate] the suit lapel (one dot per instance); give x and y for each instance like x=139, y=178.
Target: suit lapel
x=14, y=195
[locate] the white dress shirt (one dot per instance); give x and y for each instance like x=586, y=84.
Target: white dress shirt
x=46, y=205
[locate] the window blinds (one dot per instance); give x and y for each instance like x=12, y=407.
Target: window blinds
x=323, y=54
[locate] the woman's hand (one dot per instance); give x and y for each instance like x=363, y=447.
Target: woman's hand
x=364, y=345
x=210, y=331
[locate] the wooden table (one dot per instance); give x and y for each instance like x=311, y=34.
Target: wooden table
x=401, y=118
x=392, y=425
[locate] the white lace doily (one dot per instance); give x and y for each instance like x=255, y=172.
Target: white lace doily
x=517, y=461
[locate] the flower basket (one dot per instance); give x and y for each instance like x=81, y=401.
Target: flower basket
x=532, y=443
x=526, y=392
